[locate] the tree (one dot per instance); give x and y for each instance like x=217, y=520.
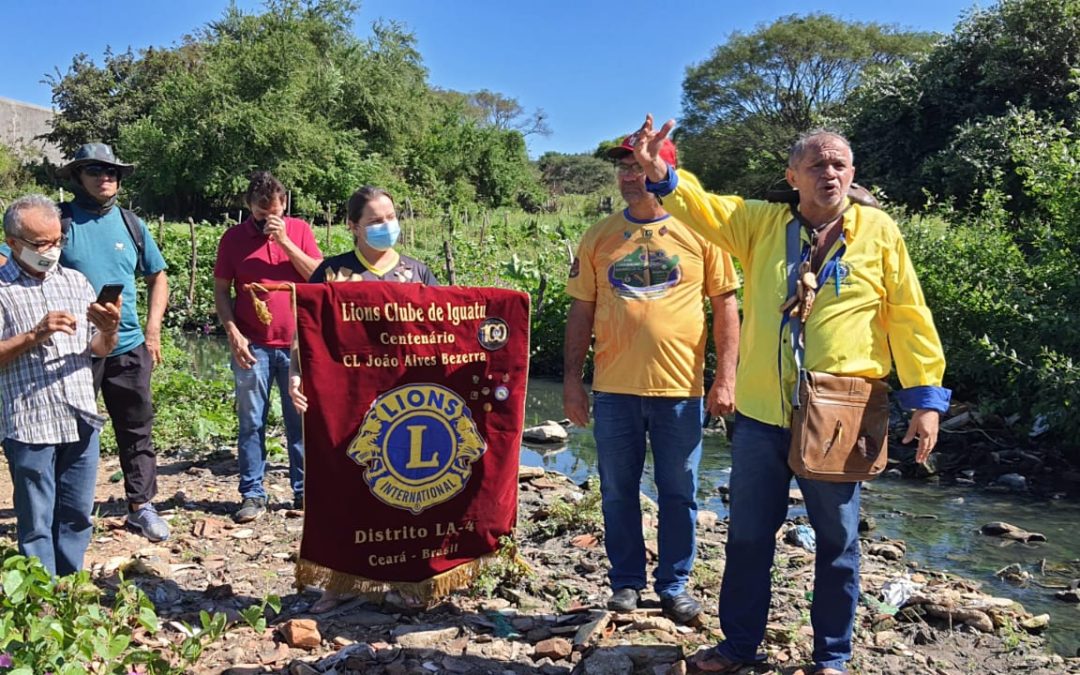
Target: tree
x=504, y=112
x=744, y=105
x=931, y=127
x=292, y=90
x=575, y=174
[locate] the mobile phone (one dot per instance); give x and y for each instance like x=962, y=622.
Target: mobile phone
x=110, y=293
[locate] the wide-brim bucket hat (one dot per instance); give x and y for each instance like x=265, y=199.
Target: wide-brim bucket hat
x=95, y=153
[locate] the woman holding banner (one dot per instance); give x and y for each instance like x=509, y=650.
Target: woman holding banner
x=372, y=219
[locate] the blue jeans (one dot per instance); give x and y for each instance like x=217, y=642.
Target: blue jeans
x=252, y=408
x=673, y=427
x=760, y=479
x=54, y=498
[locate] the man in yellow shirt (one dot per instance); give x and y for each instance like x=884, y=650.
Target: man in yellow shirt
x=639, y=284
x=869, y=313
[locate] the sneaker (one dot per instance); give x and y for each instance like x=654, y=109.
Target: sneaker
x=148, y=523
x=682, y=607
x=252, y=508
x=623, y=600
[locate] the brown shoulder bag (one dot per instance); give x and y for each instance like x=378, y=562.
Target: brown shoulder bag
x=839, y=432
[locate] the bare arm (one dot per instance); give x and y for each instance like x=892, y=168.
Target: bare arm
x=157, y=294
x=296, y=390
x=725, y=329
x=17, y=345
x=106, y=318
x=301, y=262
x=224, y=305
x=579, y=326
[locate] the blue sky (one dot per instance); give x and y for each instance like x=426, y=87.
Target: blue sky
x=595, y=67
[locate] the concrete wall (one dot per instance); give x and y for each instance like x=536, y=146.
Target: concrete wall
x=20, y=123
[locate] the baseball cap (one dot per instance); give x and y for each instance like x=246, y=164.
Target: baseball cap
x=668, y=153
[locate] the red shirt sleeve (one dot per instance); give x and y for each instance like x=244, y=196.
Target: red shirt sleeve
x=224, y=265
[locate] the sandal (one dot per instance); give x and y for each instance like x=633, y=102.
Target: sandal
x=712, y=661
x=330, y=600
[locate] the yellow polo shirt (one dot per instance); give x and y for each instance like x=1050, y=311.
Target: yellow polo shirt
x=880, y=302
x=649, y=281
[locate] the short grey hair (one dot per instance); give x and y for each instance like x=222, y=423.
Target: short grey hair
x=807, y=139
x=13, y=226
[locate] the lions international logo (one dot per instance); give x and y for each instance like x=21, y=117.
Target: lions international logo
x=419, y=443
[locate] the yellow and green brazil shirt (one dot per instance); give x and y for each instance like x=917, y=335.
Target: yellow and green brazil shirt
x=873, y=305
x=649, y=281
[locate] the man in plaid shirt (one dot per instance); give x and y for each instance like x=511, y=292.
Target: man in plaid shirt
x=48, y=412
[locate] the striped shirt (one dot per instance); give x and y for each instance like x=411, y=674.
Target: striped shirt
x=46, y=390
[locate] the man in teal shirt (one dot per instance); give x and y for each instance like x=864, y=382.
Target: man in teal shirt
x=103, y=247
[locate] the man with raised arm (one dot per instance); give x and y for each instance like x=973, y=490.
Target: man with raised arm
x=869, y=306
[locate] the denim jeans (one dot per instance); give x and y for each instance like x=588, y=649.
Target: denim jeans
x=54, y=497
x=673, y=427
x=252, y=407
x=760, y=479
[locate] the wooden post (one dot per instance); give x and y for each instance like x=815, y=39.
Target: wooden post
x=410, y=234
x=540, y=296
x=329, y=222
x=448, y=253
x=194, y=262
x=483, y=228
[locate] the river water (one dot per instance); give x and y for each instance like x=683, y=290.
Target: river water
x=939, y=523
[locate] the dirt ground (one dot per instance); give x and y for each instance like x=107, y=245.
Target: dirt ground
x=554, y=622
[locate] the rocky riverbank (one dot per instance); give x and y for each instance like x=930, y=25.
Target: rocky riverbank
x=540, y=612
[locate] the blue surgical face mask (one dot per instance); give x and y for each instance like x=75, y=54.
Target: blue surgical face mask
x=382, y=236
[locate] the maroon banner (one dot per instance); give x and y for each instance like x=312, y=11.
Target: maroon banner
x=416, y=400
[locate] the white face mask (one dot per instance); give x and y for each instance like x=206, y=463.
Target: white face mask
x=41, y=262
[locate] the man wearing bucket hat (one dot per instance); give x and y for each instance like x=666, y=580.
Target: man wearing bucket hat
x=639, y=283
x=111, y=245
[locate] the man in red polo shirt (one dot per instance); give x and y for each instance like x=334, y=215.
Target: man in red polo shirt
x=266, y=248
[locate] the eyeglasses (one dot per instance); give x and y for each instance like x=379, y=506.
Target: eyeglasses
x=95, y=170
x=45, y=245
x=629, y=169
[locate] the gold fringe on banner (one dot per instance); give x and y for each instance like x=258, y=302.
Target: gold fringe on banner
x=310, y=573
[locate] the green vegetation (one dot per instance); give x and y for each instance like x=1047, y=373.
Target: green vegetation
x=937, y=130
x=565, y=515
x=293, y=90
x=60, y=626
x=507, y=568
x=193, y=411
x=746, y=103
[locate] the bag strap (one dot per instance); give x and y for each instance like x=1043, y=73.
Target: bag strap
x=131, y=223
x=798, y=260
